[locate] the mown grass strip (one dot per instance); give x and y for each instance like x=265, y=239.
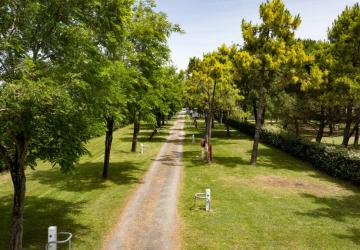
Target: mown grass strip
x=282, y=203
x=80, y=202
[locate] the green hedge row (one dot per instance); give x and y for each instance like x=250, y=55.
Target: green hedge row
x=337, y=162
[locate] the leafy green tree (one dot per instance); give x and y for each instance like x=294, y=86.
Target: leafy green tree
x=270, y=50
x=344, y=36
x=47, y=52
x=112, y=27
x=149, y=33
x=210, y=86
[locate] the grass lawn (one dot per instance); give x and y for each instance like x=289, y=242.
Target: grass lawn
x=80, y=202
x=282, y=203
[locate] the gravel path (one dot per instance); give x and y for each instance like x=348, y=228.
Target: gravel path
x=150, y=219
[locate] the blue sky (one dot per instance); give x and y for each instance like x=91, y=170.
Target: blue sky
x=210, y=23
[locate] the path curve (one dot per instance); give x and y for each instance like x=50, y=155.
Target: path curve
x=149, y=221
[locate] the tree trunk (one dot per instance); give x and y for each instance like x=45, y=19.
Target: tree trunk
x=19, y=180
x=207, y=124
x=158, y=120
x=255, y=109
x=331, y=129
x=258, y=125
x=152, y=134
x=135, y=135
x=348, y=122
x=356, y=139
x=263, y=116
x=227, y=124
x=108, y=142
x=162, y=119
x=297, y=129
x=208, y=134
x=17, y=171
x=320, y=132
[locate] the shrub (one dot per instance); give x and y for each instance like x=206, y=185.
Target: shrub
x=337, y=162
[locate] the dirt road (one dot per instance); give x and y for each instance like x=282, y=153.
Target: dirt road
x=150, y=220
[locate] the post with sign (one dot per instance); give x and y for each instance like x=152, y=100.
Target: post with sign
x=52, y=237
x=208, y=199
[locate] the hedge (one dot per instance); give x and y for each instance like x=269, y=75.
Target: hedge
x=337, y=162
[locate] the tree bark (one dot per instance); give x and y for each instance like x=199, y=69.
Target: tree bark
x=263, y=116
x=255, y=109
x=348, y=122
x=17, y=170
x=208, y=134
x=356, y=139
x=135, y=135
x=320, y=132
x=108, y=142
x=158, y=119
x=331, y=129
x=258, y=125
x=227, y=124
x=297, y=129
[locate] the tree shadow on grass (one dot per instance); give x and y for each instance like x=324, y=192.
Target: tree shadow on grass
x=276, y=159
x=40, y=213
x=87, y=176
x=343, y=209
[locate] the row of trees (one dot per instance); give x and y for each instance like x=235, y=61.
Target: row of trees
x=299, y=82
x=70, y=70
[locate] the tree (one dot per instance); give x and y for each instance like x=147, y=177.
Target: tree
x=210, y=86
x=149, y=33
x=47, y=49
x=112, y=32
x=269, y=51
x=344, y=36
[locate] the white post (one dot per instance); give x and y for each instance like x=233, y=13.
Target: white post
x=193, y=139
x=208, y=199
x=142, y=148
x=52, y=236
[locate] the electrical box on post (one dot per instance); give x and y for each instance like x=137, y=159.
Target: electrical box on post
x=52, y=237
x=208, y=199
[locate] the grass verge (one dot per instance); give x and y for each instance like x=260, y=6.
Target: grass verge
x=80, y=202
x=282, y=203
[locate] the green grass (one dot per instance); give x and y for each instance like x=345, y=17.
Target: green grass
x=282, y=203
x=80, y=202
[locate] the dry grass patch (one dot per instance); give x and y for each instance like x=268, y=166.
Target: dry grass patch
x=289, y=184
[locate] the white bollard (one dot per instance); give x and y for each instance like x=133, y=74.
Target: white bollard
x=52, y=236
x=142, y=148
x=208, y=199
x=193, y=139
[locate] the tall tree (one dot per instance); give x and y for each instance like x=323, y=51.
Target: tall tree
x=47, y=51
x=344, y=35
x=270, y=49
x=149, y=33
x=210, y=81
